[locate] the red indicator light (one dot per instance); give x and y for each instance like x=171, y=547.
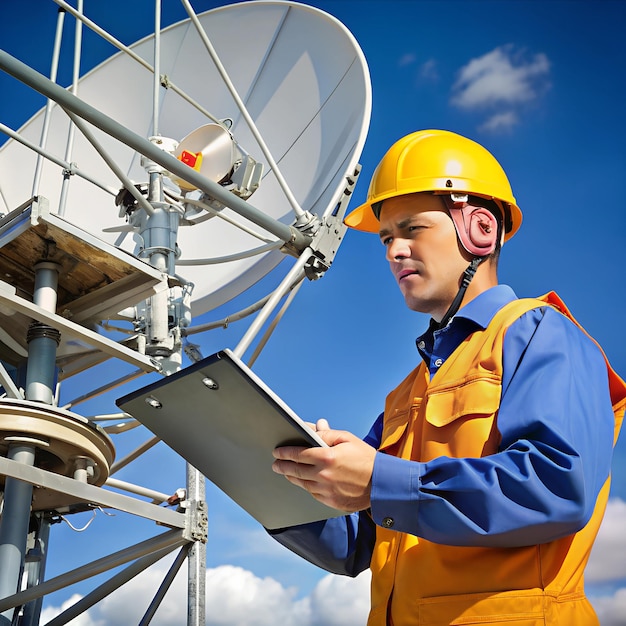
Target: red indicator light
x=189, y=158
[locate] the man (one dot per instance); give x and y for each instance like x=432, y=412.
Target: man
x=477, y=494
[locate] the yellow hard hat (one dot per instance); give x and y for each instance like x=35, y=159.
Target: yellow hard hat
x=437, y=161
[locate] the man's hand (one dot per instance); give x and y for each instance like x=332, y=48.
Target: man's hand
x=340, y=476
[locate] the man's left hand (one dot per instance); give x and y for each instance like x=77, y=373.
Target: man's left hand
x=340, y=476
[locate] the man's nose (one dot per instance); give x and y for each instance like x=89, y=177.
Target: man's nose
x=398, y=249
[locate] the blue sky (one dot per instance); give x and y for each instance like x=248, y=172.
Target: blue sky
x=540, y=85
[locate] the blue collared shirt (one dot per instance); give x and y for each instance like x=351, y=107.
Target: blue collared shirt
x=436, y=345
x=556, y=424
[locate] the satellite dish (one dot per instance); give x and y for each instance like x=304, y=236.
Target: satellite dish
x=278, y=116
x=305, y=84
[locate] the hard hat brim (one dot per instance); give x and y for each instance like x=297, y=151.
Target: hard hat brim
x=362, y=218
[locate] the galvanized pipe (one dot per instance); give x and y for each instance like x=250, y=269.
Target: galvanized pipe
x=14, y=528
x=54, y=66
x=42, y=339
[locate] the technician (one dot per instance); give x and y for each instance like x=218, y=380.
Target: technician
x=477, y=494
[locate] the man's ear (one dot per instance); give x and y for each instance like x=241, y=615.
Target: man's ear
x=477, y=229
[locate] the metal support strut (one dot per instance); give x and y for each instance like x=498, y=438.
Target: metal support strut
x=40, y=375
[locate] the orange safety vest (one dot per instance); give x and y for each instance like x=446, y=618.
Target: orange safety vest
x=417, y=582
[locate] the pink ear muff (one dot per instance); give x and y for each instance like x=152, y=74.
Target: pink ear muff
x=476, y=228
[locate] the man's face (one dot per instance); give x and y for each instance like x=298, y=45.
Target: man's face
x=423, y=251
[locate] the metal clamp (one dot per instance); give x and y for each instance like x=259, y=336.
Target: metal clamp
x=196, y=521
x=330, y=234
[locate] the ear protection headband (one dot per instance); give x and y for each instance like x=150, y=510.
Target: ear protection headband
x=476, y=226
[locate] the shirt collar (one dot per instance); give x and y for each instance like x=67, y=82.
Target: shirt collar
x=437, y=344
x=483, y=307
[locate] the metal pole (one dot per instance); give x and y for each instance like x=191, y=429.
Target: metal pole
x=165, y=585
x=156, y=496
x=60, y=162
x=78, y=42
x=136, y=453
x=115, y=168
x=35, y=569
x=156, y=83
x=159, y=233
x=42, y=339
x=274, y=323
x=293, y=276
x=129, y=51
x=7, y=382
x=14, y=528
x=196, y=564
x=46, y=118
x=40, y=375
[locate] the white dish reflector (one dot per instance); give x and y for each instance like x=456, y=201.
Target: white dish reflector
x=304, y=82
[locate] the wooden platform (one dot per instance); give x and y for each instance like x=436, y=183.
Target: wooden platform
x=96, y=280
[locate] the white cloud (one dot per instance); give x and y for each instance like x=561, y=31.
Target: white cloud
x=607, y=560
x=425, y=71
x=85, y=619
x=407, y=59
x=234, y=597
x=428, y=70
x=607, y=564
x=502, y=76
x=611, y=610
x=340, y=601
x=500, y=121
x=501, y=81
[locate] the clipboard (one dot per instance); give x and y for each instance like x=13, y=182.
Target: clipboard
x=224, y=420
